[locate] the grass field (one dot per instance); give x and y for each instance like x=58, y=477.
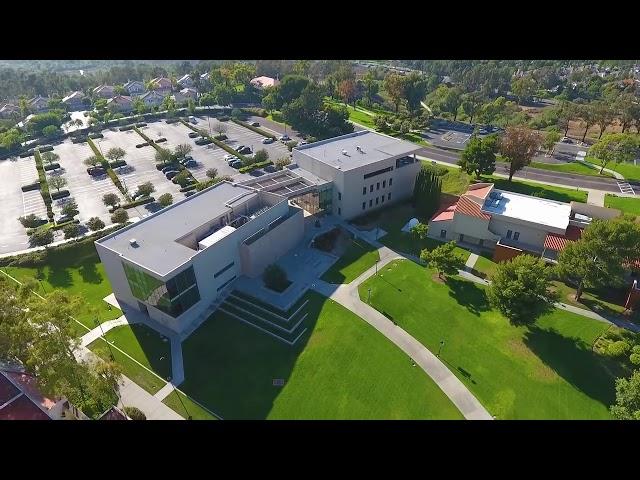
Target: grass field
x=186, y=407
x=628, y=170
x=341, y=368
x=77, y=271
x=572, y=167
x=144, y=345
x=358, y=257
x=543, y=191
x=545, y=371
x=626, y=204
x=485, y=265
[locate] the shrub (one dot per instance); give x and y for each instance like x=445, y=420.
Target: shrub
x=165, y=199
x=183, y=178
x=212, y=173
x=236, y=113
x=397, y=125
x=70, y=209
x=120, y=216
x=261, y=156
x=290, y=145
x=221, y=137
x=145, y=189
x=71, y=231
x=327, y=240
x=618, y=349
x=41, y=237
x=635, y=358
x=275, y=278
x=31, y=221
x=254, y=166
x=282, y=162
x=94, y=224
x=134, y=413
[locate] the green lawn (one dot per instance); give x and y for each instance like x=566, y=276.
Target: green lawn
x=145, y=346
x=358, y=257
x=572, y=167
x=186, y=407
x=78, y=271
x=539, y=190
x=485, y=266
x=341, y=368
x=626, y=204
x=628, y=170
x=545, y=371
x=358, y=115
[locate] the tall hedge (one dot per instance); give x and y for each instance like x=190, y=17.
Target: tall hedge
x=426, y=193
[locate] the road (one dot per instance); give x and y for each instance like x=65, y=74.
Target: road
x=581, y=181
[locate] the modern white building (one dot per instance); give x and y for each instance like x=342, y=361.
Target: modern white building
x=511, y=223
x=366, y=170
x=173, y=264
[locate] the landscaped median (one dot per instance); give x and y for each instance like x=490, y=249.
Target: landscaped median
x=548, y=370
x=220, y=144
x=105, y=164
x=255, y=129
x=44, y=186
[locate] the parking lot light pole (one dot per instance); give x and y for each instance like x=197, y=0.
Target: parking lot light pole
x=98, y=324
x=440, y=348
x=369, y=295
x=189, y=417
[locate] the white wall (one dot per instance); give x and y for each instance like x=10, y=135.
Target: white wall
x=529, y=235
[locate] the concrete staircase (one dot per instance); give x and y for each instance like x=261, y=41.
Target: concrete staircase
x=207, y=312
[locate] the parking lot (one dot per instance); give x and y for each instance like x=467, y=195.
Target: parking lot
x=16, y=172
x=86, y=190
x=141, y=164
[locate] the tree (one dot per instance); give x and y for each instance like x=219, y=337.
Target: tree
x=347, y=90
x=588, y=115
x=115, y=154
x=550, y=139
x=11, y=139
x=261, y=156
x=444, y=259
x=627, y=406
x=282, y=162
x=478, y=157
x=420, y=231
x=49, y=157
x=275, y=277
x=380, y=122
x=50, y=131
x=110, y=199
x=568, y=112
x=426, y=192
x=41, y=237
x=95, y=224
x=165, y=199
x=57, y=182
x=519, y=289
x=223, y=94
x=92, y=161
x=183, y=178
x=138, y=106
x=71, y=231
x=471, y=103
x=394, y=86
x=370, y=85
x=614, y=147
x=163, y=156
x=519, y=145
x=182, y=150
x=212, y=173
x=70, y=208
x=415, y=88
x=191, y=106
x=145, y=189
x=596, y=259
x=524, y=87
x=120, y=216
x=30, y=221
x=220, y=128
x=603, y=115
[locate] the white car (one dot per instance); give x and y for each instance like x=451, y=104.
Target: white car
x=285, y=138
x=232, y=159
x=228, y=157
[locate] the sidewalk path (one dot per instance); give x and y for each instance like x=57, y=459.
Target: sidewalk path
x=97, y=332
x=596, y=197
x=471, y=261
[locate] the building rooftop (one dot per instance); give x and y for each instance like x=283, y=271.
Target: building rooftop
x=536, y=210
x=374, y=147
x=155, y=236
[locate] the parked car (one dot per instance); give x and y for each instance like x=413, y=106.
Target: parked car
x=244, y=151
x=566, y=140
x=236, y=164
x=228, y=157
x=255, y=124
x=232, y=159
x=284, y=138
x=169, y=168
x=302, y=142
x=96, y=171
x=238, y=148
x=193, y=135
x=267, y=140
x=171, y=173
x=64, y=219
x=189, y=163
x=192, y=119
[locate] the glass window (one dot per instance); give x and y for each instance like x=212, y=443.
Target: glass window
x=339, y=211
x=364, y=205
x=378, y=186
x=377, y=199
x=224, y=269
x=516, y=235
x=509, y=232
x=339, y=196
x=443, y=234
x=384, y=184
x=389, y=196
x=371, y=203
x=364, y=190
x=390, y=181
x=371, y=188
x=382, y=199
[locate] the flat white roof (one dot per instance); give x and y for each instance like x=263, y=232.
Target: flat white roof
x=216, y=236
x=547, y=213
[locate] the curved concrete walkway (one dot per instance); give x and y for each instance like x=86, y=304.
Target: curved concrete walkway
x=347, y=295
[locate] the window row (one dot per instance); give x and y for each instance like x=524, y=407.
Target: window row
x=378, y=200
x=384, y=185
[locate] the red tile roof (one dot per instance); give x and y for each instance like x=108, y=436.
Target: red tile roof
x=447, y=208
x=480, y=192
x=557, y=242
x=468, y=207
x=22, y=409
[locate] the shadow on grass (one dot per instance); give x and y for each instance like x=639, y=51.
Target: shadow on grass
x=157, y=351
x=89, y=273
x=230, y=367
x=468, y=294
x=59, y=276
x=574, y=361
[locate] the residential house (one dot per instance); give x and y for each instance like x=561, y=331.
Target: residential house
x=185, y=81
x=152, y=98
x=74, y=101
x=104, y=91
x=120, y=103
x=8, y=110
x=264, y=82
x=190, y=93
x=135, y=88
x=510, y=223
x=205, y=76
x=162, y=86
x=20, y=398
x=38, y=104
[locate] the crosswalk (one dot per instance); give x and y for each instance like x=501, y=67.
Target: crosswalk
x=625, y=187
